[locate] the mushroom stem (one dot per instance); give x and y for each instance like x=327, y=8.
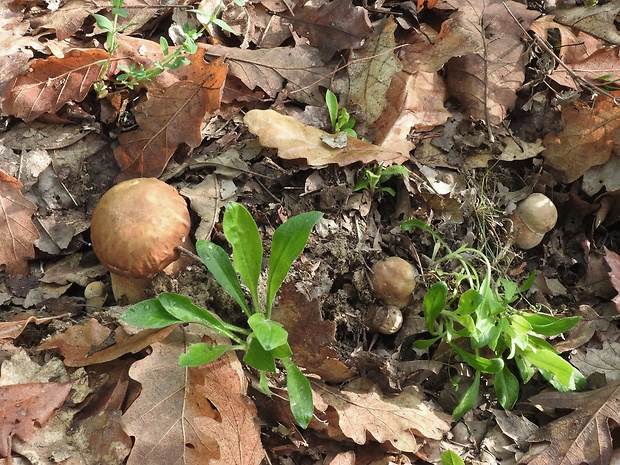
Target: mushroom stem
x=130, y=290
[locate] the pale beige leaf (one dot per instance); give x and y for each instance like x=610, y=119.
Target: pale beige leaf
x=363, y=409
x=191, y=416
x=295, y=140
x=371, y=69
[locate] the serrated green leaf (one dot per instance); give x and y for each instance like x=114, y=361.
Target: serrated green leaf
x=149, y=314
x=299, y=393
x=242, y=233
x=271, y=334
x=218, y=263
x=288, y=241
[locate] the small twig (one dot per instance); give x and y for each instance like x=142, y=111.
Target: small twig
x=542, y=43
x=189, y=253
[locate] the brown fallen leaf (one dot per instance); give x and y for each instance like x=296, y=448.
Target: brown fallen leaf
x=193, y=415
x=485, y=82
x=52, y=82
x=295, y=140
x=299, y=69
x=311, y=338
x=24, y=405
x=370, y=71
x=598, y=21
x=589, y=138
x=17, y=232
x=361, y=410
x=168, y=118
x=12, y=329
x=582, y=436
x=332, y=26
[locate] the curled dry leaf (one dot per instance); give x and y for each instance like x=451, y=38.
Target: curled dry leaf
x=51, y=83
x=17, y=232
x=295, y=140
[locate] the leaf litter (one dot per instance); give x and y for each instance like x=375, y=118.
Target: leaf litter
x=456, y=93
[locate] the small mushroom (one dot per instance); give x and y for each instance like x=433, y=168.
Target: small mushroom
x=533, y=217
x=95, y=294
x=387, y=319
x=393, y=280
x=135, y=229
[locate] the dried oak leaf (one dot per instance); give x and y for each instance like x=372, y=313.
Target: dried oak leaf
x=299, y=69
x=485, y=82
x=17, y=232
x=370, y=71
x=191, y=416
x=294, y=140
x=598, y=21
x=332, y=26
x=589, y=138
x=52, y=82
x=361, y=410
x=168, y=118
x=312, y=339
x=24, y=405
x=582, y=436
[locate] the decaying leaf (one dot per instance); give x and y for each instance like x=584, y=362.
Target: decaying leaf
x=486, y=82
x=584, y=435
x=361, y=410
x=299, y=69
x=17, y=232
x=371, y=69
x=311, y=338
x=332, y=26
x=12, y=329
x=597, y=21
x=51, y=83
x=605, y=360
x=191, y=416
x=589, y=138
x=168, y=118
x=295, y=140
x=23, y=406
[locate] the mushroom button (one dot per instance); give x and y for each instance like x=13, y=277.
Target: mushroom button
x=533, y=217
x=135, y=229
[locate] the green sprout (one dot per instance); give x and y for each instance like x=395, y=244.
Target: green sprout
x=133, y=74
x=341, y=120
x=372, y=179
x=266, y=341
x=483, y=311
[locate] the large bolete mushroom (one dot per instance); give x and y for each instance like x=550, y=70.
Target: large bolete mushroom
x=533, y=217
x=135, y=229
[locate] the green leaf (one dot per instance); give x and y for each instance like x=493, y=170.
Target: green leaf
x=484, y=332
x=425, y=343
x=271, y=334
x=415, y=223
x=104, y=23
x=553, y=363
x=528, y=282
x=282, y=351
x=217, y=262
x=149, y=314
x=183, y=309
x=201, y=353
x=506, y=388
x=332, y=107
x=163, y=43
x=469, y=399
x=256, y=356
x=223, y=25
x=548, y=325
x=299, y=393
x=434, y=303
x=469, y=302
x=288, y=241
x=485, y=365
x=449, y=457
x=241, y=231
x=526, y=370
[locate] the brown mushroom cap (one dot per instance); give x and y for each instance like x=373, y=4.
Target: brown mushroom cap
x=538, y=212
x=136, y=226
